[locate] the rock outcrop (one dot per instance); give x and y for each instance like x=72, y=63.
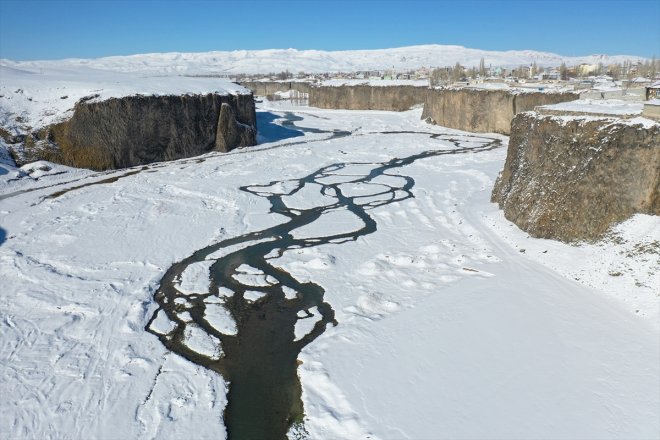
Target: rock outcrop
x=268, y=88
x=571, y=178
x=366, y=97
x=484, y=111
x=231, y=133
x=135, y=130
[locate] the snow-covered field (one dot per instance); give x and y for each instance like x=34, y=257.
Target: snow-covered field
x=318, y=61
x=452, y=323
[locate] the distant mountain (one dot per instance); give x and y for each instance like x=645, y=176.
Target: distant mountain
x=315, y=61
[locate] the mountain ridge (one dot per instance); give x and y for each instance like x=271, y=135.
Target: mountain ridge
x=316, y=61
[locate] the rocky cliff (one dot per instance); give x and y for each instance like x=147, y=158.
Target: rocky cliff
x=485, y=111
x=267, y=88
x=135, y=130
x=571, y=178
x=366, y=97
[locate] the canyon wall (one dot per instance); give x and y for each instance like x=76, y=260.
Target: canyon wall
x=366, y=97
x=571, y=178
x=267, y=88
x=484, y=111
x=135, y=130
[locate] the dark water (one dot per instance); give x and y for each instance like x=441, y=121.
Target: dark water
x=260, y=361
x=291, y=118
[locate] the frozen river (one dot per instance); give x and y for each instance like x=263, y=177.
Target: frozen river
x=347, y=278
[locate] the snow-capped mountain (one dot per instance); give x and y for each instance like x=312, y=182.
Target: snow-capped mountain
x=314, y=61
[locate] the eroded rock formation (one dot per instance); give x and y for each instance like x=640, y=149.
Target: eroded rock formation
x=366, y=97
x=572, y=178
x=484, y=111
x=267, y=88
x=135, y=130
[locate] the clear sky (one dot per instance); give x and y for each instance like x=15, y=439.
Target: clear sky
x=52, y=29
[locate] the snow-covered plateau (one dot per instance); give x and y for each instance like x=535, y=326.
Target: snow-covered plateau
x=450, y=321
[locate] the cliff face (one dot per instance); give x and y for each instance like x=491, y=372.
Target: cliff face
x=572, y=178
x=135, y=130
x=266, y=88
x=365, y=97
x=485, y=111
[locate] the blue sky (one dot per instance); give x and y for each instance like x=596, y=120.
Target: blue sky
x=51, y=29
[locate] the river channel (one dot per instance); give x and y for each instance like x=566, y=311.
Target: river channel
x=259, y=359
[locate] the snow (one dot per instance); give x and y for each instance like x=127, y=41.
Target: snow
x=42, y=95
x=375, y=82
x=249, y=276
x=491, y=86
x=195, y=279
x=446, y=329
x=613, y=119
x=199, y=341
x=306, y=322
x=318, y=61
x=628, y=256
x=644, y=122
x=253, y=295
x=606, y=107
x=291, y=94
x=220, y=319
x=520, y=87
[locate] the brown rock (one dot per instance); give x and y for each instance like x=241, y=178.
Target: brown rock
x=484, y=111
x=230, y=133
x=366, y=97
x=136, y=130
x=573, y=179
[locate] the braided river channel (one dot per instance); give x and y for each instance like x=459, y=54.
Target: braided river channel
x=258, y=357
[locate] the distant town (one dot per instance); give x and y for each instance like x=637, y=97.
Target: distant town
x=583, y=76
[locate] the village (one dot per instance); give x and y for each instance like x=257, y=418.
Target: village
x=628, y=82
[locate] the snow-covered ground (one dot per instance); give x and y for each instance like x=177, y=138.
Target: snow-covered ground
x=318, y=61
x=376, y=82
x=615, y=107
x=446, y=327
x=32, y=97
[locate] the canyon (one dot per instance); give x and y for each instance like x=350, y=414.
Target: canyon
x=572, y=178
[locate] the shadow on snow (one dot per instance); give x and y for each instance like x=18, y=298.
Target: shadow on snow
x=269, y=131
